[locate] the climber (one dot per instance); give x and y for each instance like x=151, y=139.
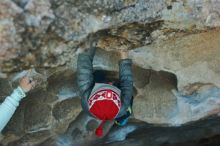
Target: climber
x=9, y=105
x=105, y=101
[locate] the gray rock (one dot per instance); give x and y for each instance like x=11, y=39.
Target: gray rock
x=155, y=135
x=91, y=125
x=41, y=96
x=8, y=37
x=156, y=102
x=185, y=57
x=67, y=109
x=141, y=76
x=38, y=14
x=202, y=103
x=63, y=84
x=31, y=139
x=179, y=37
x=6, y=89
x=37, y=116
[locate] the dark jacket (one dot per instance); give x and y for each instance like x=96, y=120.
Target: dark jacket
x=86, y=82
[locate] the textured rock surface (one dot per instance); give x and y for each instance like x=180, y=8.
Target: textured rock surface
x=194, y=61
x=194, y=134
x=45, y=112
x=152, y=106
x=46, y=33
x=193, y=58
x=174, y=45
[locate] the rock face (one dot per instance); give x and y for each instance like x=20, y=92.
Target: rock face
x=44, y=112
x=192, y=59
x=174, y=45
x=152, y=106
x=44, y=33
x=197, y=77
x=194, y=134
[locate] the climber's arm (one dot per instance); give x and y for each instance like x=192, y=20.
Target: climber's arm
x=85, y=79
x=126, y=82
x=9, y=105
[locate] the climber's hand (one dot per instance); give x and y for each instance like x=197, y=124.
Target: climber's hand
x=124, y=54
x=27, y=83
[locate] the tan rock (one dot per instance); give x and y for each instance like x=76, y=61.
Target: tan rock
x=193, y=58
x=156, y=103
